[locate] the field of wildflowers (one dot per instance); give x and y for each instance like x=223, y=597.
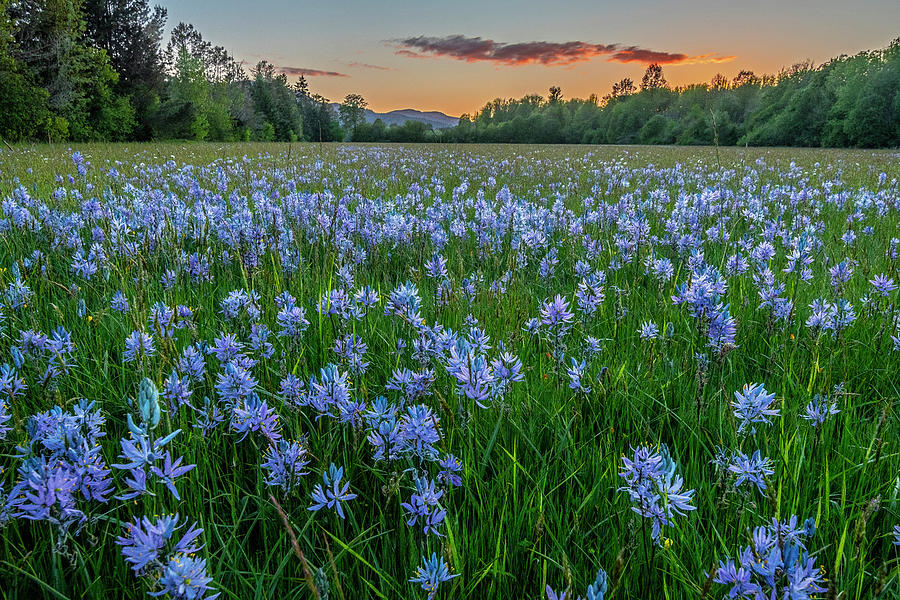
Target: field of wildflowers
x=488, y=372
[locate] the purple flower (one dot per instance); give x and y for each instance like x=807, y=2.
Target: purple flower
x=331, y=392
x=60, y=348
x=285, y=461
x=473, y=374
x=62, y=468
x=431, y=574
x=138, y=347
x=775, y=565
x=17, y=294
x=739, y=578
x=554, y=595
x=259, y=341
x=436, y=268
x=384, y=432
x=589, y=297
x=254, y=415
x=291, y=318
x=235, y=383
x=198, y=268
x=32, y=343
x=883, y=284
x=47, y=492
x=171, y=469
x=226, y=348
x=663, y=269
x=177, y=391
x=333, y=495
x=843, y=316
x=822, y=315
x=753, y=469
x=241, y=302
x=592, y=347
x=168, y=279
x=753, y=404
x=144, y=542
x=192, y=364
x=208, y=417
x=722, y=329
x=119, y=303
x=654, y=488
x=840, y=275
x=352, y=349
x=185, y=577
x=365, y=298
x=413, y=385
x=11, y=385
x=138, y=451
x=649, y=331
x=556, y=315
x=419, y=428
x=162, y=320
x=387, y=439
x=424, y=504
x=404, y=301
x=140, y=454
x=4, y=419
x=737, y=264
x=819, y=409
x=450, y=466
x=548, y=264
x=532, y=326
x=576, y=373
x=703, y=291
x=335, y=302
x=292, y=389
x=507, y=369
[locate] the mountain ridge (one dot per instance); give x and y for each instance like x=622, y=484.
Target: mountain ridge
x=435, y=118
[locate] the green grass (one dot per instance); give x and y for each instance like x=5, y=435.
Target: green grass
x=539, y=503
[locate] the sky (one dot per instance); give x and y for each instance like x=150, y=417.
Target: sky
x=456, y=56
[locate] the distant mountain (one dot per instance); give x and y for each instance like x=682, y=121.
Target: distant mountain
x=436, y=119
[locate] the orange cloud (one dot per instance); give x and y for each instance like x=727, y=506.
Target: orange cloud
x=476, y=49
x=703, y=59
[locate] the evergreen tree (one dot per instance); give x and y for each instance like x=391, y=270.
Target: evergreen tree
x=276, y=102
x=131, y=33
x=319, y=119
x=49, y=43
x=24, y=110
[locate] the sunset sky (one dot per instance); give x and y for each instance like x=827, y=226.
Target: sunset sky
x=455, y=56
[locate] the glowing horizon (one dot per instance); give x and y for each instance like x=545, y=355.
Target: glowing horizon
x=455, y=58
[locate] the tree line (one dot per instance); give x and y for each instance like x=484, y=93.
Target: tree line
x=850, y=101
x=98, y=70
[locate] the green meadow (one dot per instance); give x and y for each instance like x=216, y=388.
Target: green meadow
x=540, y=500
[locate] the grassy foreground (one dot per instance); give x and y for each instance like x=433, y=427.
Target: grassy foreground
x=682, y=275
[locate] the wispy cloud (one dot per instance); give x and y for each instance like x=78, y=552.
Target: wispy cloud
x=310, y=72
x=361, y=65
x=644, y=56
x=476, y=49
